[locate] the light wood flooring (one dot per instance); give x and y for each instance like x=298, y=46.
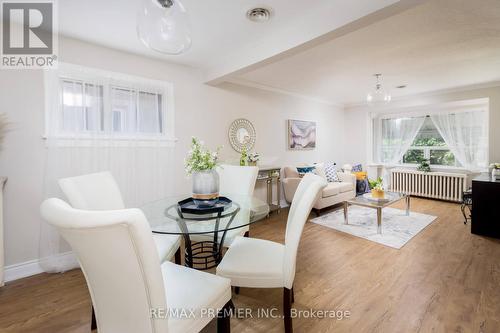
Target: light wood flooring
x=444, y=280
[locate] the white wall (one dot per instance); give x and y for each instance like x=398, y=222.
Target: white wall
x=357, y=125
x=201, y=110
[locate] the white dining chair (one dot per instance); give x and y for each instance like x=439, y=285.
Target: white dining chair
x=236, y=182
x=130, y=290
x=258, y=263
x=99, y=191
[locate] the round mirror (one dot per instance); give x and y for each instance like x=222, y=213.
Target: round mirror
x=242, y=135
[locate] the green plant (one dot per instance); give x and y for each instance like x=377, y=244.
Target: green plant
x=200, y=158
x=253, y=157
x=376, y=184
x=495, y=165
x=424, y=165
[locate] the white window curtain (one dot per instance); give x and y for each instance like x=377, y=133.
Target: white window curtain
x=84, y=135
x=466, y=134
x=396, y=136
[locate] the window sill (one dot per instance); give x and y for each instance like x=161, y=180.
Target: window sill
x=106, y=141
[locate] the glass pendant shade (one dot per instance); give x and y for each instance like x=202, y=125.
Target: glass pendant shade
x=379, y=95
x=163, y=26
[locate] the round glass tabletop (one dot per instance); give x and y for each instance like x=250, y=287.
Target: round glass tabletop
x=165, y=218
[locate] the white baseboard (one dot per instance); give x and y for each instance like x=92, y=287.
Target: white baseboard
x=32, y=267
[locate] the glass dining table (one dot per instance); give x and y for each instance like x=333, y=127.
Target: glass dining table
x=204, y=234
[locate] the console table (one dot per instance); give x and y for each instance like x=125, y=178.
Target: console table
x=485, y=206
x=271, y=175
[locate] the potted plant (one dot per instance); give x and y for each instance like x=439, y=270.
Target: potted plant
x=377, y=188
x=253, y=158
x=424, y=165
x=495, y=171
x=201, y=163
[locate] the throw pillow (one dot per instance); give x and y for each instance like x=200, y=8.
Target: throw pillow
x=362, y=186
x=320, y=170
x=361, y=175
x=303, y=170
x=357, y=168
x=331, y=172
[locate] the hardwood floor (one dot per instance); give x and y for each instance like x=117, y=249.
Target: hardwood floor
x=444, y=280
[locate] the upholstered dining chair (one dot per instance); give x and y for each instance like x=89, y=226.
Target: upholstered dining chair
x=236, y=181
x=99, y=191
x=131, y=292
x=258, y=263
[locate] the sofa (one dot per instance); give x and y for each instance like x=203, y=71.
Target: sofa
x=334, y=193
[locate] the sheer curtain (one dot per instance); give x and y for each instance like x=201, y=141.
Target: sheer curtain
x=466, y=134
x=396, y=136
x=104, y=121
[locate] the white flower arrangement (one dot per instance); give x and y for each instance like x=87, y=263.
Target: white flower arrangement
x=495, y=166
x=200, y=158
x=253, y=157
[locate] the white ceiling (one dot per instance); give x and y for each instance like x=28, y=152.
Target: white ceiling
x=440, y=44
x=323, y=49
x=221, y=32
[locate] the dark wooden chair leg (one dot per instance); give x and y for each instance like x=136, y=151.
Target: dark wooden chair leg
x=224, y=319
x=293, y=296
x=178, y=256
x=287, y=310
x=236, y=290
x=93, y=323
x=247, y=234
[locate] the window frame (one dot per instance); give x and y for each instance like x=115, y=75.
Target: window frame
x=376, y=116
x=108, y=80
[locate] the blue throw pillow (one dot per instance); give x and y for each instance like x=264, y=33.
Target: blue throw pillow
x=331, y=172
x=362, y=186
x=303, y=170
x=357, y=168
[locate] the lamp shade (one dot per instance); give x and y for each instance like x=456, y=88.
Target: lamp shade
x=163, y=26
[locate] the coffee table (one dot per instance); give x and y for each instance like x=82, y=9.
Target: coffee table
x=392, y=197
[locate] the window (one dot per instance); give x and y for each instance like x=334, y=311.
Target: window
x=92, y=103
x=429, y=145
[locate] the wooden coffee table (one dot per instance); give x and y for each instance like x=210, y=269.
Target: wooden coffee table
x=392, y=197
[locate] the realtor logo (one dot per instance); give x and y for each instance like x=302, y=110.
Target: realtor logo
x=28, y=34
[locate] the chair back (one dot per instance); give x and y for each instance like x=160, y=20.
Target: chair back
x=120, y=263
x=95, y=191
x=303, y=201
x=238, y=180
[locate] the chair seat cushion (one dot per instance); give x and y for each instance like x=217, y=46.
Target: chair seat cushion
x=253, y=263
x=166, y=245
x=190, y=289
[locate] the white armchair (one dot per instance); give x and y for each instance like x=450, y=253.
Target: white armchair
x=258, y=263
x=131, y=292
x=99, y=191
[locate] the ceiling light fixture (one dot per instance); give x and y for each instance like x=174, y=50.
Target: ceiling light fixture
x=379, y=95
x=259, y=14
x=163, y=26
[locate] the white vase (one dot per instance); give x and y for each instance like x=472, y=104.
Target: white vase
x=495, y=174
x=206, y=187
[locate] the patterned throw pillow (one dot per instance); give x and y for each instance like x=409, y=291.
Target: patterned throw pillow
x=303, y=170
x=331, y=172
x=357, y=168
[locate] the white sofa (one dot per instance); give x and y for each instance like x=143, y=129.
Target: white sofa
x=334, y=193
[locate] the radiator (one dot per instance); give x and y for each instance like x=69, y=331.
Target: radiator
x=436, y=185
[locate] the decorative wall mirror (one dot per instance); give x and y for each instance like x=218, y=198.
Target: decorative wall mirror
x=242, y=134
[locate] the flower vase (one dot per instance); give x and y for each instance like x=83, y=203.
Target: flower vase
x=378, y=194
x=205, y=188
x=495, y=174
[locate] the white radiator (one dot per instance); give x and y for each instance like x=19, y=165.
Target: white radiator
x=436, y=185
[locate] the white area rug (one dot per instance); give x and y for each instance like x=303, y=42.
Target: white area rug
x=397, y=228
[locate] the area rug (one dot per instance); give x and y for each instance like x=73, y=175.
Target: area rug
x=397, y=228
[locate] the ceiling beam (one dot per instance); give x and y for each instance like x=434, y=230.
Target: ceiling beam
x=274, y=49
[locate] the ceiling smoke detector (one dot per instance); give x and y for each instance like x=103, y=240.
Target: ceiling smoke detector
x=259, y=14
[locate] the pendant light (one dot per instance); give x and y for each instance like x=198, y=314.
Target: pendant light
x=163, y=26
x=379, y=95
